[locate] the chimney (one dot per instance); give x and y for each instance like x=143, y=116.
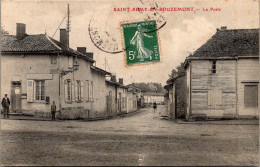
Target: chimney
x=121, y=81
x=113, y=78
x=20, y=31
x=82, y=50
x=90, y=54
x=223, y=28
x=64, y=37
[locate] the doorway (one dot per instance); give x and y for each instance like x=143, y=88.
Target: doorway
x=16, y=105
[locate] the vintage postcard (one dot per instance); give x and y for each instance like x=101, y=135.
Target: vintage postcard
x=130, y=83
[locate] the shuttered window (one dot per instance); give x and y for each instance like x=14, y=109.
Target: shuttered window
x=68, y=92
x=79, y=90
x=53, y=60
x=89, y=86
x=213, y=69
x=251, y=96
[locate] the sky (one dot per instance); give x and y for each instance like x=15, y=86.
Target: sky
x=184, y=32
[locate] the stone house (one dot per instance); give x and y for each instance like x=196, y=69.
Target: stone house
x=37, y=69
x=121, y=99
x=133, y=94
x=223, y=76
x=151, y=97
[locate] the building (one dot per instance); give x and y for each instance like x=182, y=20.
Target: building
x=151, y=97
x=117, y=96
x=175, y=102
x=133, y=94
x=223, y=76
x=37, y=69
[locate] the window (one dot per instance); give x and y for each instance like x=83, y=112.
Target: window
x=123, y=103
x=79, y=90
x=89, y=86
x=251, y=96
x=40, y=90
x=213, y=67
x=68, y=92
x=53, y=60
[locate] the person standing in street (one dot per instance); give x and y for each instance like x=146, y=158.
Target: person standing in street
x=53, y=110
x=6, y=104
x=154, y=107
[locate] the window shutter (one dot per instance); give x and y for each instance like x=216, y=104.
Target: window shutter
x=81, y=90
x=92, y=93
x=72, y=91
x=89, y=91
x=251, y=96
x=76, y=91
x=66, y=90
x=218, y=98
x=30, y=86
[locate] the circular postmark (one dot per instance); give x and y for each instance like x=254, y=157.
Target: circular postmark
x=107, y=37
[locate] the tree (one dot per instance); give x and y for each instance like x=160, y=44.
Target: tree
x=177, y=72
x=3, y=31
x=150, y=87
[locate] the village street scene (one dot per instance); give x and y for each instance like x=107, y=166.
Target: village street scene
x=75, y=92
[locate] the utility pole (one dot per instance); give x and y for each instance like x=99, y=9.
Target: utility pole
x=68, y=23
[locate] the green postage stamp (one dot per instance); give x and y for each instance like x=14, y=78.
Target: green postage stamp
x=141, y=42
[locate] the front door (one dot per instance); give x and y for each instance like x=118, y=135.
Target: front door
x=16, y=104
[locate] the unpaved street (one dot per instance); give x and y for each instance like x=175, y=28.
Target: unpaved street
x=138, y=139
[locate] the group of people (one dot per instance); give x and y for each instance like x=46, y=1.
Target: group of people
x=6, y=103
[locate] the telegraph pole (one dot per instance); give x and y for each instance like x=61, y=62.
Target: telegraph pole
x=68, y=22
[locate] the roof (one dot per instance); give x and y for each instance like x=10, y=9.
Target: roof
x=40, y=43
x=153, y=94
x=167, y=87
x=30, y=43
x=100, y=70
x=113, y=83
x=171, y=80
x=230, y=43
x=71, y=51
x=133, y=86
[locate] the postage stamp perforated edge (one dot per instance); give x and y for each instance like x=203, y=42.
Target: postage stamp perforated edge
x=123, y=45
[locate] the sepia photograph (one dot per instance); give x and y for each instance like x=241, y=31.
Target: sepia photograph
x=130, y=83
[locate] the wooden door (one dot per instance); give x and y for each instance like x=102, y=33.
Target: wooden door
x=16, y=105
